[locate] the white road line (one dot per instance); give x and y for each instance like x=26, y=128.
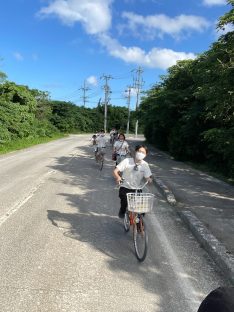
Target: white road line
x=18, y=205
x=181, y=276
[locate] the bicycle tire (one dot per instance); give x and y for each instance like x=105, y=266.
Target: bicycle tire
x=126, y=222
x=140, y=238
x=101, y=163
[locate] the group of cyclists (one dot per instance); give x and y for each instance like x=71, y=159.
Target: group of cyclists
x=117, y=141
x=130, y=170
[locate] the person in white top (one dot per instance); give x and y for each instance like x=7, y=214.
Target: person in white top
x=101, y=140
x=101, y=145
x=121, y=148
x=94, y=141
x=134, y=171
x=112, y=134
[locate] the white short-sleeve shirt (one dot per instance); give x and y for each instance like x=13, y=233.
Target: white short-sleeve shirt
x=101, y=141
x=121, y=147
x=133, y=179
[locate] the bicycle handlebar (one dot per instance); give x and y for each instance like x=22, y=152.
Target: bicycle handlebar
x=137, y=188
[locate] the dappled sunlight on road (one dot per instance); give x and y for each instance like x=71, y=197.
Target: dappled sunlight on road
x=212, y=194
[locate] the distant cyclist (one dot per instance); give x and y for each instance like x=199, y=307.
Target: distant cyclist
x=121, y=148
x=116, y=135
x=112, y=135
x=94, y=141
x=101, y=142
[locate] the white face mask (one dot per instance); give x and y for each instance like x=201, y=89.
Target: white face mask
x=121, y=140
x=140, y=156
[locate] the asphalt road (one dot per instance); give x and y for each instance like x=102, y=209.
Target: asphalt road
x=63, y=248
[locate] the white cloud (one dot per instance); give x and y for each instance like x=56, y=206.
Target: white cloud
x=92, y=80
x=227, y=28
x=18, y=56
x=94, y=15
x=164, y=58
x=214, y=2
x=158, y=25
x=155, y=58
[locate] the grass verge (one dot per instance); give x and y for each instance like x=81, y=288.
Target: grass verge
x=27, y=142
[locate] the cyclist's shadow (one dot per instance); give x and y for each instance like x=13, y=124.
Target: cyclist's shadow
x=100, y=229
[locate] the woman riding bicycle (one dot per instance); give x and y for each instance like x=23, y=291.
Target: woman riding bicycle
x=133, y=170
x=120, y=148
x=94, y=142
x=101, y=143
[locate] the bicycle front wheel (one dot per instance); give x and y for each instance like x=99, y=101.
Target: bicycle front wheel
x=126, y=222
x=140, y=238
x=101, y=163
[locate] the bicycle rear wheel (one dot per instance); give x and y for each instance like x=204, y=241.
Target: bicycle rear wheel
x=126, y=222
x=140, y=238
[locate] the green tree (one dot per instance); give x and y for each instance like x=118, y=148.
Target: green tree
x=190, y=112
x=227, y=18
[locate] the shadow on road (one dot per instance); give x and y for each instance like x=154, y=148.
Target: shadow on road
x=94, y=221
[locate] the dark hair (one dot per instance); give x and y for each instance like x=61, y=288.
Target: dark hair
x=220, y=299
x=140, y=146
x=122, y=135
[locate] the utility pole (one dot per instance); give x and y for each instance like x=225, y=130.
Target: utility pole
x=128, y=103
x=107, y=98
x=84, y=89
x=137, y=84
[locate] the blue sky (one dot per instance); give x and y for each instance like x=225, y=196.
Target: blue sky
x=57, y=45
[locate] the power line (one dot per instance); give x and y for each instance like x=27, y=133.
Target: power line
x=120, y=98
x=70, y=95
x=94, y=94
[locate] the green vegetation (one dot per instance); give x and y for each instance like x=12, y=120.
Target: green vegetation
x=28, y=117
x=26, y=142
x=190, y=113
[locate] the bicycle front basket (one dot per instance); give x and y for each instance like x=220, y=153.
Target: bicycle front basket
x=140, y=202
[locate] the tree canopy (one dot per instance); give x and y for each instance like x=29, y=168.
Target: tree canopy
x=190, y=113
x=28, y=112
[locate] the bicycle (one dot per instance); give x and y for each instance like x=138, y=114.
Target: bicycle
x=99, y=156
x=112, y=140
x=138, y=204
